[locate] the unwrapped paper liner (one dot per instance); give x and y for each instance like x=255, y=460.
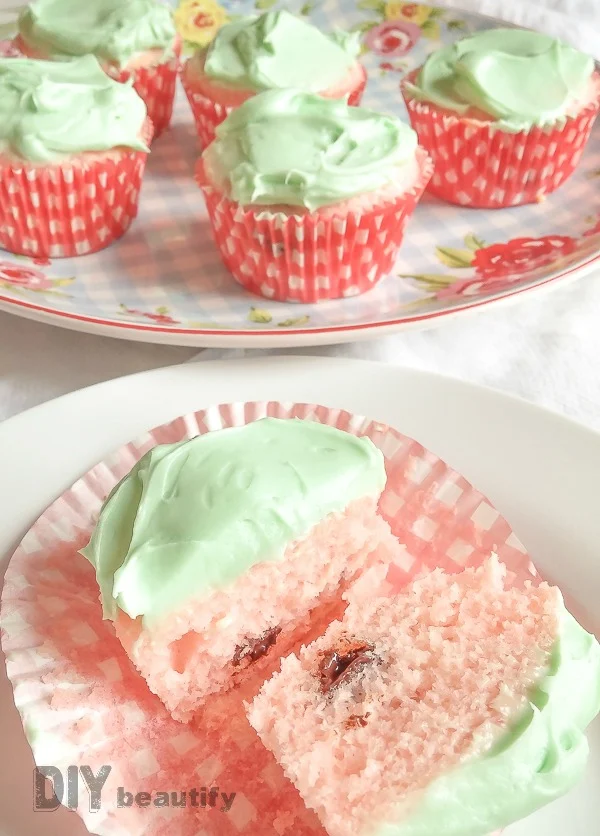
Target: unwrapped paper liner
x=82, y=702
x=479, y=165
x=72, y=208
x=313, y=256
x=156, y=84
x=208, y=113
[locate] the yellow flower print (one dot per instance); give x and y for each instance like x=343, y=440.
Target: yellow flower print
x=410, y=12
x=198, y=21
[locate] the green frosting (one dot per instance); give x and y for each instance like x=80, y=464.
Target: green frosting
x=280, y=50
x=519, y=78
x=194, y=516
x=113, y=30
x=49, y=109
x=541, y=758
x=299, y=149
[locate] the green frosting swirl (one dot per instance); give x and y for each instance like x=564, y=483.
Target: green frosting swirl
x=298, y=149
x=113, y=30
x=541, y=758
x=49, y=109
x=279, y=50
x=517, y=77
x=194, y=516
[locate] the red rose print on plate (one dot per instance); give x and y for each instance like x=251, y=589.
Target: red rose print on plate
x=521, y=255
x=393, y=38
x=494, y=268
x=9, y=50
x=160, y=316
x=25, y=277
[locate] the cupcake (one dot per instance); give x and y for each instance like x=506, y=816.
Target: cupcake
x=135, y=40
x=73, y=147
x=308, y=197
x=505, y=114
x=454, y=706
x=275, y=50
x=238, y=536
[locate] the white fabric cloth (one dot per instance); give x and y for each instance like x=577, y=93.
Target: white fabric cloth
x=574, y=21
x=545, y=346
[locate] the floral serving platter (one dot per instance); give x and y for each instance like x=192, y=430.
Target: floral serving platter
x=164, y=282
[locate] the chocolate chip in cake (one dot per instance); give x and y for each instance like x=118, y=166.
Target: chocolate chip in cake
x=338, y=666
x=356, y=721
x=254, y=649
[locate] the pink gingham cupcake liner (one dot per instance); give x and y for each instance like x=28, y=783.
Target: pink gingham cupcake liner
x=82, y=702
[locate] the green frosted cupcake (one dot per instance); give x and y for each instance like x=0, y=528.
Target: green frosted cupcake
x=505, y=115
x=73, y=147
x=133, y=39
x=308, y=197
x=272, y=51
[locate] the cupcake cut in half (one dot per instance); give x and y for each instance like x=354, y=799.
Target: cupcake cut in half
x=274, y=50
x=73, y=148
x=135, y=39
x=452, y=707
x=212, y=551
x=307, y=197
x=505, y=115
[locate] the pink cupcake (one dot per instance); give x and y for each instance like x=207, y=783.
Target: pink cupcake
x=73, y=147
x=308, y=197
x=505, y=115
x=454, y=705
x=132, y=40
x=240, y=536
x=272, y=51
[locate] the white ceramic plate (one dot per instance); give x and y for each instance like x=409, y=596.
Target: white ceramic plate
x=164, y=282
x=539, y=469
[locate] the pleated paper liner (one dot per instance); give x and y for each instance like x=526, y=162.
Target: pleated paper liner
x=208, y=113
x=314, y=256
x=80, y=699
x=72, y=208
x=155, y=84
x=477, y=165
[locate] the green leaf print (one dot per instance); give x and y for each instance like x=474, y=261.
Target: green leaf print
x=457, y=26
x=263, y=5
x=473, y=243
x=298, y=320
x=259, y=315
x=456, y=259
x=431, y=29
x=372, y=5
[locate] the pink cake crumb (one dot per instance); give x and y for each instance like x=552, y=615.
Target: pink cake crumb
x=403, y=689
x=207, y=646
